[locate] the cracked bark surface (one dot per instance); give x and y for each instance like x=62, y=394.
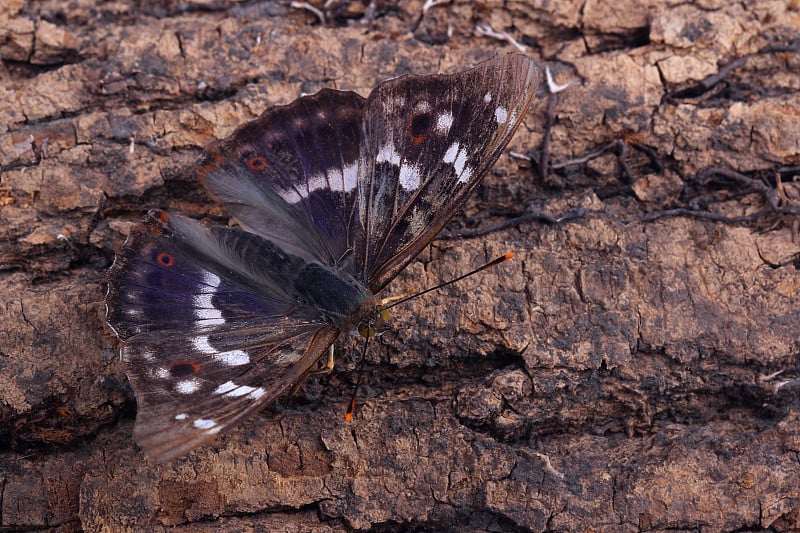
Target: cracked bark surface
x=618, y=375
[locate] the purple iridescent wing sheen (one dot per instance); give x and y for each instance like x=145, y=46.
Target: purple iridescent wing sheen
x=290, y=175
x=212, y=331
x=429, y=141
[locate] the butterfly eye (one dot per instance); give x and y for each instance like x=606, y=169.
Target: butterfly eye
x=181, y=369
x=166, y=260
x=366, y=330
x=257, y=163
x=418, y=127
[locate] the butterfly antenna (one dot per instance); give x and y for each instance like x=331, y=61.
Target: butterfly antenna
x=348, y=417
x=490, y=264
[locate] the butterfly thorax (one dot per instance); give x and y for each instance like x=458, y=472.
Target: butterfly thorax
x=342, y=300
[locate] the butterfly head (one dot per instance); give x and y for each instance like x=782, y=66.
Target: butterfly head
x=369, y=326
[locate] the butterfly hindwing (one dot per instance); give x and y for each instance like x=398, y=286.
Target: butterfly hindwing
x=210, y=334
x=185, y=399
x=429, y=141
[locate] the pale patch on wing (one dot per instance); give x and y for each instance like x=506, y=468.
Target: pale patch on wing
x=291, y=196
x=336, y=179
x=388, y=153
x=207, y=424
x=316, y=182
x=444, y=122
x=181, y=416
x=350, y=176
x=487, y=97
x=205, y=311
x=457, y=156
x=225, y=387
x=232, y=358
x=409, y=176
x=229, y=358
x=232, y=390
x=460, y=162
x=451, y=153
x=204, y=423
x=187, y=386
x=501, y=115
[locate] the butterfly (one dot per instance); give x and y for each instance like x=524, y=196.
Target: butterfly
x=334, y=195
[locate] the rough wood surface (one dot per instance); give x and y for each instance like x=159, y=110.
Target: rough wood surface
x=624, y=373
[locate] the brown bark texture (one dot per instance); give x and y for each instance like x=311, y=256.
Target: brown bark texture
x=632, y=369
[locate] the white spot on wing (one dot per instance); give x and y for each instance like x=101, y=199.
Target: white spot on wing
x=225, y=387
x=316, y=182
x=202, y=345
x=232, y=358
x=290, y=195
x=451, y=153
x=161, y=373
x=409, y=176
x=231, y=389
x=256, y=394
x=462, y=170
x=388, y=153
x=444, y=122
x=204, y=308
x=229, y=358
x=487, y=97
x=350, y=176
x=205, y=423
x=240, y=390
x=461, y=161
x=501, y=115
x=182, y=416
x=465, y=176
x=187, y=386
x=335, y=179
x=457, y=156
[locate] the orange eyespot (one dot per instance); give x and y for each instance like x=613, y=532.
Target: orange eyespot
x=418, y=127
x=180, y=369
x=257, y=163
x=165, y=259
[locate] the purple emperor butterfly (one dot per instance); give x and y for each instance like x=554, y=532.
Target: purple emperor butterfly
x=335, y=194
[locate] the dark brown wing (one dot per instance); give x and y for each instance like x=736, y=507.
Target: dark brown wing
x=429, y=141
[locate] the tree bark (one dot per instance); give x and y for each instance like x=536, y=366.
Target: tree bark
x=633, y=368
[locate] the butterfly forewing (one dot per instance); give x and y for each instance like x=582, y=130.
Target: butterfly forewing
x=429, y=142
x=290, y=175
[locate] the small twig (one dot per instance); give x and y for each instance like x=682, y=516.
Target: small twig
x=772, y=196
x=427, y=6
x=548, y=466
x=308, y=7
x=554, y=87
x=530, y=216
x=487, y=31
x=121, y=77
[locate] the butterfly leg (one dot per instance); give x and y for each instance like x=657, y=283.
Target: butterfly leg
x=328, y=368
